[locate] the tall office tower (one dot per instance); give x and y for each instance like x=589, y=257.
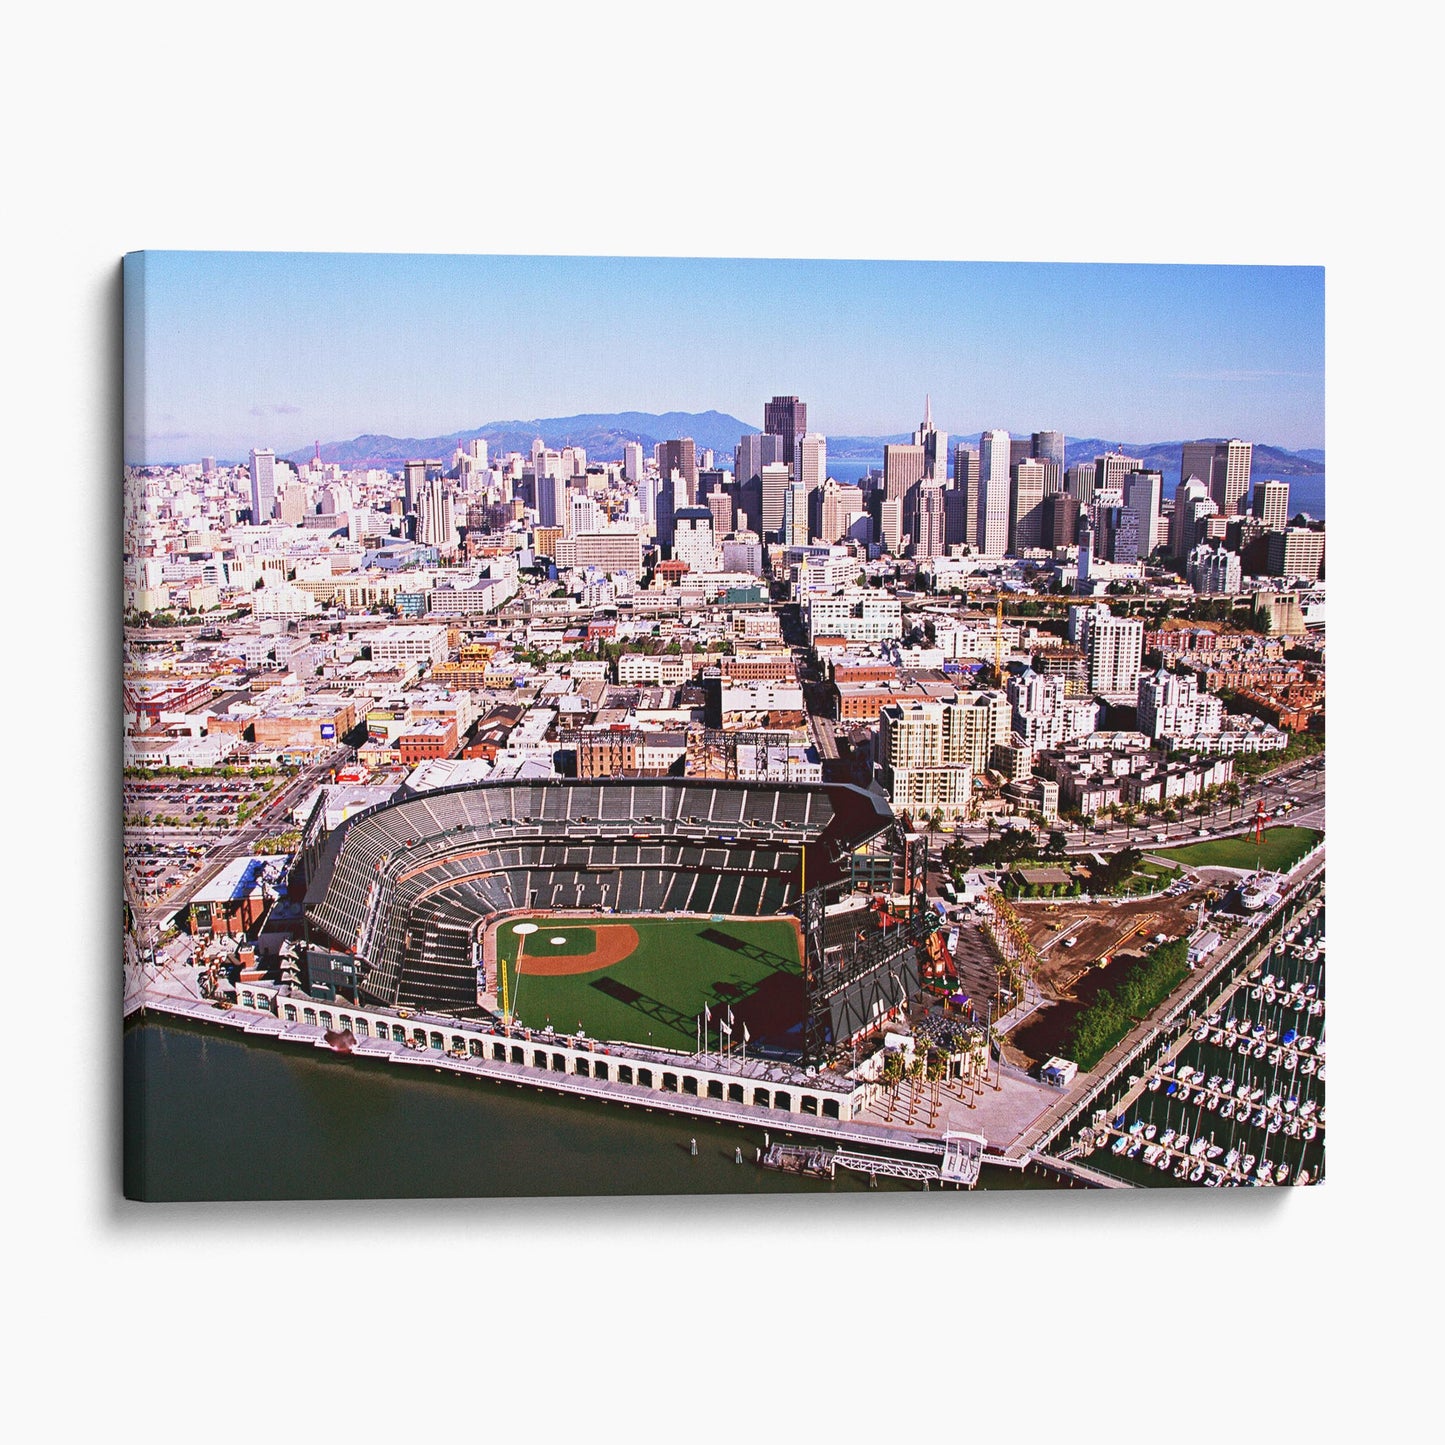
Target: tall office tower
x=753, y=453
x=1297, y=552
x=787, y=418
x=776, y=479
x=1020, y=449
x=574, y=461
x=1125, y=528
x=928, y=526
x=1271, y=505
x=413, y=475
x=552, y=498
x=965, y=482
x=582, y=514
x=671, y=499
x=720, y=504
x=434, y=525
x=680, y=455
x=1058, y=521
x=208, y=466
x=632, y=461
x=263, y=484
x=1083, y=577
x=795, y=515
x=902, y=467
x=293, y=506
x=1048, y=446
x=692, y=539
x=1111, y=469
x=1079, y=482
x=994, y=484
x=890, y=523
x=1192, y=503
x=479, y=452
x=934, y=444
x=1113, y=645
x=1026, y=499
x=835, y=502
x=959, y=519
x=1224, y=469
x=810, y=465
x=1144, y=492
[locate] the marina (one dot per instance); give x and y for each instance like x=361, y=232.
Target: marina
x=1238, y=1097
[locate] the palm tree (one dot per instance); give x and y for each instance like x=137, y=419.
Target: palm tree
x=1232, y=796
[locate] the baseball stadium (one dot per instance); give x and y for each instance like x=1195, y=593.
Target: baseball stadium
x=669, y=913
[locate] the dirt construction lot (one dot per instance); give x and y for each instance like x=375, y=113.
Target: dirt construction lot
x=1099, y=930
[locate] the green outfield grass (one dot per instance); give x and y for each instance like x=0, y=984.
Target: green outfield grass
x=1282, y=848
x=657, y=992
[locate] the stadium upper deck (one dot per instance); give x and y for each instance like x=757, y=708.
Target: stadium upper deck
x=405, y=886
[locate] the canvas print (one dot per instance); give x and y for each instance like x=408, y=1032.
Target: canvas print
x=656, y=726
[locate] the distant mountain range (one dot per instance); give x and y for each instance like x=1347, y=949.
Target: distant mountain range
x=602, y=434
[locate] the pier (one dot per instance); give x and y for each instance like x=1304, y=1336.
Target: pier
x=840, y=1133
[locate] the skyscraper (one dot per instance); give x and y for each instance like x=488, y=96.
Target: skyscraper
x=934, y=444
x=1048, y=446
x=776, y=479
x=263, y=484
x=753, y=453
x=1271, y=505
x=795, y=515
x=1192, y=503
x=1079, y=482
x=786, y=417
x=413, y=479
x=434, y=526
x=551, y=498
x=1224, y=469
x=928, y=522
x=1026, y=497
x=836, y=503
x=1144, y=492
x=994, y=487
x=720, y=504
x=964, y=527
x=680, y=456
x=632, y=461
x=903, y=465
x=1111, y=469
x=810, y=464
x=1115, y=648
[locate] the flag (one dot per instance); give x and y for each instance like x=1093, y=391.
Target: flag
x=724, y=1027
x=746, y=1034
x=706, y=1016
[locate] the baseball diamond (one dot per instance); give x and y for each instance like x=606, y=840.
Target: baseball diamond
x=666, y=894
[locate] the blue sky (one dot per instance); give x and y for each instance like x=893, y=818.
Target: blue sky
x=256, y=349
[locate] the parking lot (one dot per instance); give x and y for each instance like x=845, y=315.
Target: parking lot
x=205, y=800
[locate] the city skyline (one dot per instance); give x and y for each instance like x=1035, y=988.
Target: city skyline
x=339, y=345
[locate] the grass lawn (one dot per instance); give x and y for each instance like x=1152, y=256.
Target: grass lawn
x=1281, y=849
x=656, y=993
